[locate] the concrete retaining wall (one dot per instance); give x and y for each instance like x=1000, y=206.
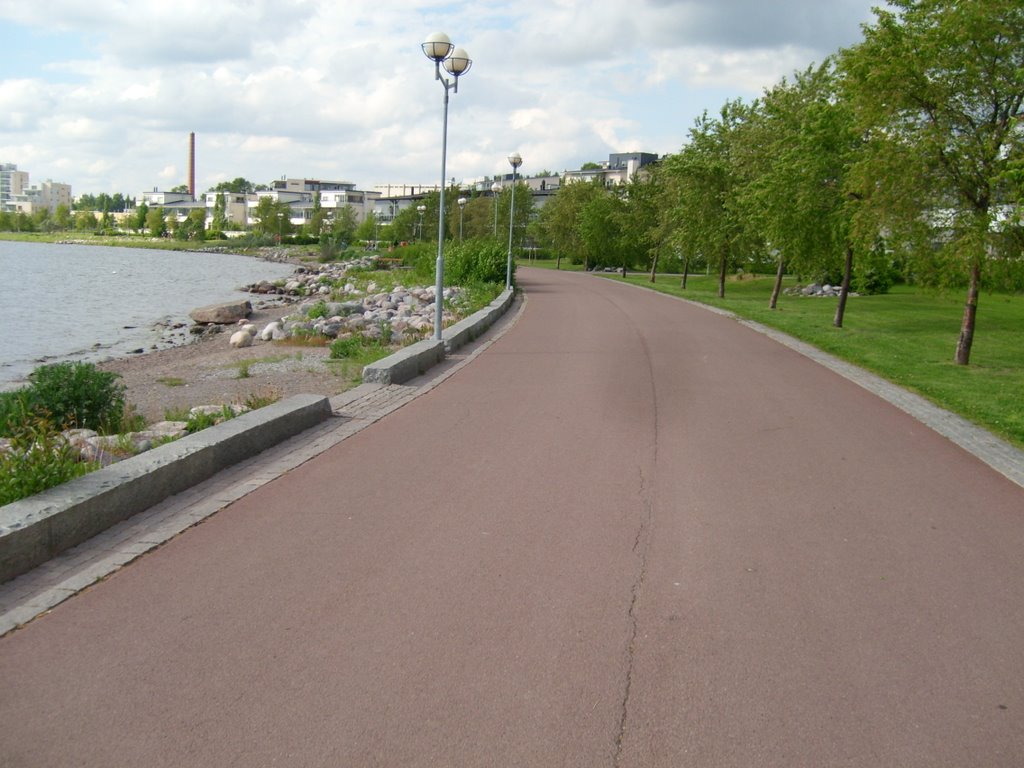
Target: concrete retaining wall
x=35, y=529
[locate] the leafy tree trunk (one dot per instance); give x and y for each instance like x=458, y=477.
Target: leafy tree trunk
x=558, y=261
x=963, y=345
x=654, y=267
x=722, y=266
x=844, y=290
x=686, y=271
x=777, y=288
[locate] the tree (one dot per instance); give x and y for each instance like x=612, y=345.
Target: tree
x=343, y=225
x=85, y=221
x=197, y=224
x=642, y=237
x=707, y=180
x=156, y=223
x=219, y=222
x=139, y=218
x=938, y=85
x=62, y=217
x=405, y=225
x=558, y=219
x=477, y=218
x=367, y=229
x=315, y=225
x=273, y=217
x=107, y=220
x=181, y=189
x=523, y=213
x=41, y=220
x=238, y=186
x=600, y=229
x=798, y=148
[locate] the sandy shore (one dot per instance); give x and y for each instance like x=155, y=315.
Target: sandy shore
x=210, y=372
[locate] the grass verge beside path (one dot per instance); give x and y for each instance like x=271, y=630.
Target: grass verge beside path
x=907, y=336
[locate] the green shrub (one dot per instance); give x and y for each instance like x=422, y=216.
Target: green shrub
x=873, y=272
x=39, y=458
x=320, y=309
x=350, y=347
x=201, y=420
x=361, y=349
x=77, y=395
x=14, y=407
x=420, y=257
x=481, y=260
x=873, y=279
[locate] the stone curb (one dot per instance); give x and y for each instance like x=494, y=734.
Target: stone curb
x=35, y=529
x=411, y=361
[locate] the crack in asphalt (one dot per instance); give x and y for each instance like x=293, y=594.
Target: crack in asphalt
x=640, y=548
x=641, y=543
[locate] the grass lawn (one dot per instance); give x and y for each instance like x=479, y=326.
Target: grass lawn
x=907, y=336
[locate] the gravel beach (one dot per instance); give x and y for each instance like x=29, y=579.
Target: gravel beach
x=210, y=372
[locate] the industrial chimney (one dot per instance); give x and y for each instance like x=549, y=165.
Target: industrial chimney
x=192, y=164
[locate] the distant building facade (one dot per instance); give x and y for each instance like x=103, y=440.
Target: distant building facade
x=17, y=196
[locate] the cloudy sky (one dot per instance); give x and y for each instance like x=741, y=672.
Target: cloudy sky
x=103, y=95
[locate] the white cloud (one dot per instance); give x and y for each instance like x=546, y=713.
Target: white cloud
x=341, y=90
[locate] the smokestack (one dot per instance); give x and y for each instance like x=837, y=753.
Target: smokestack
x=192, y=165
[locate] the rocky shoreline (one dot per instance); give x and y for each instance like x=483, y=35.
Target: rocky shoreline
x=282, y=330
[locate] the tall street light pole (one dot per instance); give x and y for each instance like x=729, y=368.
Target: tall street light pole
x=462, y=207
x=515, y=161
x=439, y=49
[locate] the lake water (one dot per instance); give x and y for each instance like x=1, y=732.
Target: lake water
x=76, y=302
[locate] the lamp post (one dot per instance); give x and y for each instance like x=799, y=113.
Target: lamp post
x=462, y=207
x=421, y=209
x=495, y=189
x=439, y=49
x=515, y=161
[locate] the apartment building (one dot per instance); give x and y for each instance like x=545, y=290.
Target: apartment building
x=12, y=185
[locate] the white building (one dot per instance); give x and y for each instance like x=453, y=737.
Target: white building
x=12, y=184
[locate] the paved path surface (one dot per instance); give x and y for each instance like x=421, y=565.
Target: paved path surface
x=631, y=533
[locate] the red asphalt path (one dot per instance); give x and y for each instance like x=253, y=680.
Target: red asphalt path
x=631, y=533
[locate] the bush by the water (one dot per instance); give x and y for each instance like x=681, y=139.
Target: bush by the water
x=481, y=260
x=78, y=395
x=60, y=396
x=38, y=458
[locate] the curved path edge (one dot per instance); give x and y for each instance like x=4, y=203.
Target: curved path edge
x=1003, y=457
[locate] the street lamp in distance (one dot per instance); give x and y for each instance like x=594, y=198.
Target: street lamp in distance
x=515, y=160
x=462, y=207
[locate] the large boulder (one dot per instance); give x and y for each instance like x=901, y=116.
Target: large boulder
x=228, y=312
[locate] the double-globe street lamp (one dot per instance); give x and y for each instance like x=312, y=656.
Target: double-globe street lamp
x=456, y=61
x=515, y=161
